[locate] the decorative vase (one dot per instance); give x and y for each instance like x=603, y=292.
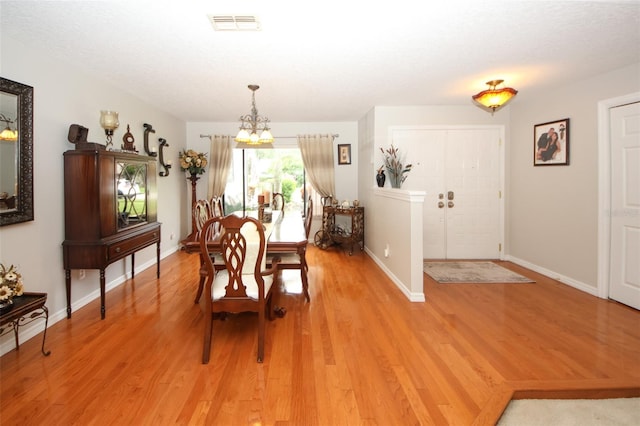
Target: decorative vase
x=395, y=180
x=380, y=178
x=6, y=306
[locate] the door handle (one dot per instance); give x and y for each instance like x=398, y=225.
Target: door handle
x=450, y=204
x=450, y=195
x=440, y=204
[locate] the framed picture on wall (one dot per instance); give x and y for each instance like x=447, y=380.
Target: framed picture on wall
x=344, y=154
x=551, y=143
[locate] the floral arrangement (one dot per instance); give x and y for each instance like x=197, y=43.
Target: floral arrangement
x=393, y=162
x=10, y=284
x=193, y=162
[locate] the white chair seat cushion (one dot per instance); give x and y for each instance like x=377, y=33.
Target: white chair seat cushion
x=221, y=280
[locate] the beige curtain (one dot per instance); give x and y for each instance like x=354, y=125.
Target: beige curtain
x=317, y=156
x=220, y=157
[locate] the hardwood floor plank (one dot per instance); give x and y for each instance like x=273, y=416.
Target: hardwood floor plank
x=358, y=353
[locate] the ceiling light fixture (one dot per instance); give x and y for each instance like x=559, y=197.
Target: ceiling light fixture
x=252, y=124
x=8, y=134
x=494, y=98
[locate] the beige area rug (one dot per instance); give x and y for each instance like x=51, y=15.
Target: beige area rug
x=578, y=412
x=472, y=272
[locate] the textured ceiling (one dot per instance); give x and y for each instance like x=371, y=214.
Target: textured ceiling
x=327, y=60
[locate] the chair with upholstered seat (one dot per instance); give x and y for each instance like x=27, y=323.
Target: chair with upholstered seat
x=245, y=284
x=201, y=213
x=295, y=260
x=278, y=202
x=217, y=207
x=204, y=210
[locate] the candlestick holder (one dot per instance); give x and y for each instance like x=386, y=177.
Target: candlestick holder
x=167, y=165
x=148, y=128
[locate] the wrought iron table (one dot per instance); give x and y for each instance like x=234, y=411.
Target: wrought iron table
x=26, y=309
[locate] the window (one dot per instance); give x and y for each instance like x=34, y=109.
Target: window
x=266, y=171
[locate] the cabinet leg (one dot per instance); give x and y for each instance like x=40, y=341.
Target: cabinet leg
x=67, y=277
x=133, y=264
x=158, y=260
x=102, y=286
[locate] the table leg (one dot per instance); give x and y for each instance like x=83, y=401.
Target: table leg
x=44, y=335
x=158, y=260
x=303, y=274
x=133, y=264
x=24, y=320
x=15, y=334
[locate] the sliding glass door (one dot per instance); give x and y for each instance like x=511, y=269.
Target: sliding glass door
x=265, y=172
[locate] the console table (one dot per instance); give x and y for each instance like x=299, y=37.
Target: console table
x=26, y=309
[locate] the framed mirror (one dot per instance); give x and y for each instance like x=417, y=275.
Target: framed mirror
x=16, y=152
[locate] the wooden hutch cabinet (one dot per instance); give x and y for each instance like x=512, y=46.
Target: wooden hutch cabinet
x=110, y=202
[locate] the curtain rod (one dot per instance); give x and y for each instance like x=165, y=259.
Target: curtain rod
x=335, y=135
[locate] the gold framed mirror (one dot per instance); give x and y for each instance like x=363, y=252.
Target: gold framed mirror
x=16, y=152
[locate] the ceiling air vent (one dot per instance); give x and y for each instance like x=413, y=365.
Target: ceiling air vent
x=235, y=22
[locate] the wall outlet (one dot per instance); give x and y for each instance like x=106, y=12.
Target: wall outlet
x=82, y=274
x=386, y=251
x=171, y=236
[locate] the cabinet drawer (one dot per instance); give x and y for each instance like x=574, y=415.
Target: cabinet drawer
x=126, y=247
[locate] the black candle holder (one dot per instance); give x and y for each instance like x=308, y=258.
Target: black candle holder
x=163, y=144
x=148, y=128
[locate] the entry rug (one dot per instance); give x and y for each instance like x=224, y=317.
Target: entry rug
x=472, y=272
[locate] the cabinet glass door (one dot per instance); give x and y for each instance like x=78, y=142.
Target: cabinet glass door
x=131, y=186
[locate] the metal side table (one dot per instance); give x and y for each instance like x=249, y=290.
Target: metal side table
x=26, y=309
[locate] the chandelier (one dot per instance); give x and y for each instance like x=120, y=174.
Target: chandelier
x=494, y=98
x=8, y=134
x=254, y=128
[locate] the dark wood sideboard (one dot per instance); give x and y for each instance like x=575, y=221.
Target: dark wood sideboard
x=110, y=201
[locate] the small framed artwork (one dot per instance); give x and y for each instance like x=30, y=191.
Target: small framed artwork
x=344, y=154
x=551, y=143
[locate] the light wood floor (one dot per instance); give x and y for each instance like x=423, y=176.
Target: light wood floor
x=359, y=353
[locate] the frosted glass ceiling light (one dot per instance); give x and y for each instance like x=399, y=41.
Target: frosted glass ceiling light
x=494, y=98
x=253, y=124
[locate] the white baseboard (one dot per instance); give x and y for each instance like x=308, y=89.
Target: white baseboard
x=412, y=296
x=554, y=275
x=35, y=328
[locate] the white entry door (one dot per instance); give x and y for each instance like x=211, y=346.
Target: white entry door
x=460, y=171
x=624, y=278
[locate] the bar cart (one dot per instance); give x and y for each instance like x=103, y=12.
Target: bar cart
x=342, y=225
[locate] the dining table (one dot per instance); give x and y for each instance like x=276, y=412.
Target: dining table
x=287, y=237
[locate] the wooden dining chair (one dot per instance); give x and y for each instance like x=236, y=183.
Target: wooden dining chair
x=295, y=260
x=217, y=207
x=308, y=217
x=201, y=213
x=204, y=210
x=277, y=203
x=245, y=284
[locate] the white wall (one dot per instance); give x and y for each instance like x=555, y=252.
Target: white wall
x=553, y=210
x=383, y=224
x=64, y=95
